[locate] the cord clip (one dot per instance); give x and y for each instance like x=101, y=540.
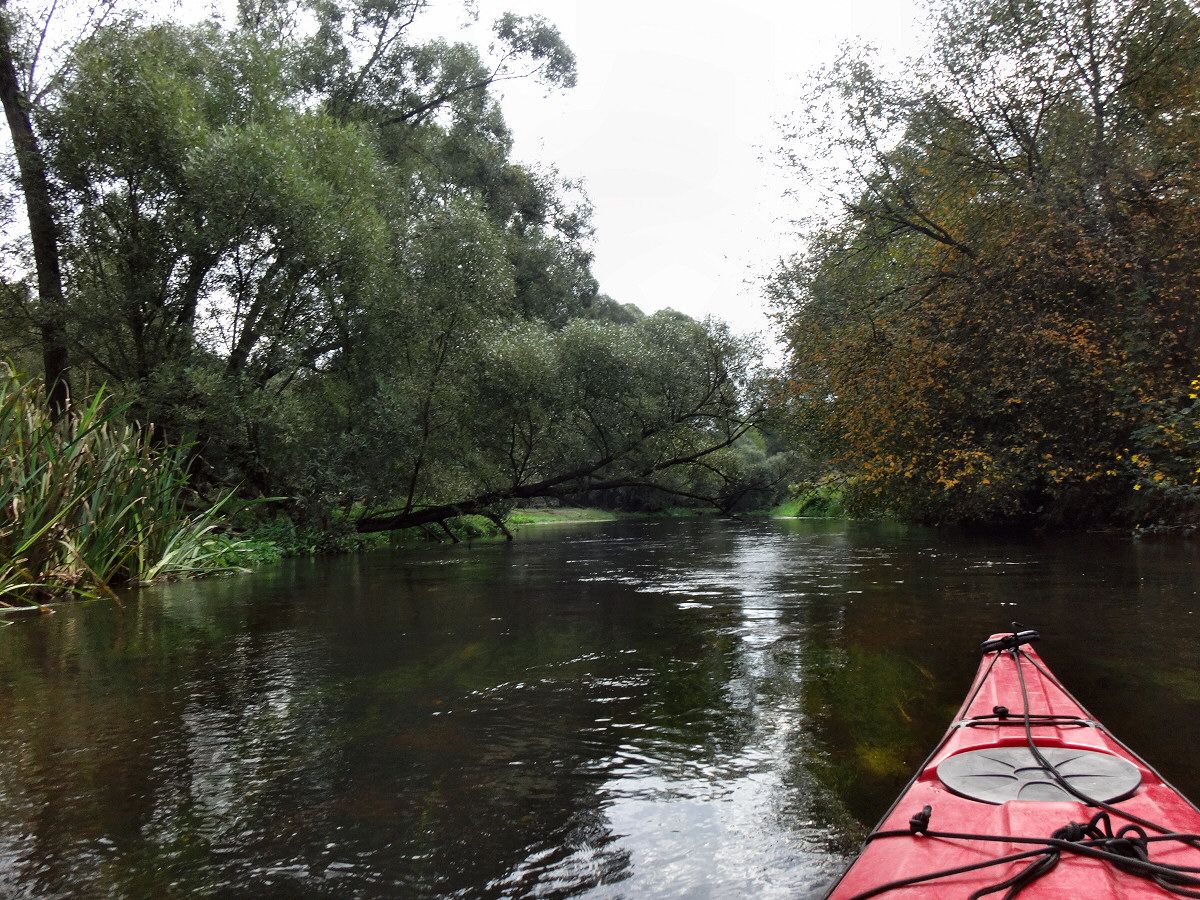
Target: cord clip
x=919, y=823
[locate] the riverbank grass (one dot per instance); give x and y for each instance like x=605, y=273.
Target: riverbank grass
x=558, y=515
x=91, y=502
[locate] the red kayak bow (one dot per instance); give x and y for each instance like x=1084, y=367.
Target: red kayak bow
x=1027, y=794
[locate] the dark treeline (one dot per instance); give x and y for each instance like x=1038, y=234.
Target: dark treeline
x=298, y=243
x=1000, y=320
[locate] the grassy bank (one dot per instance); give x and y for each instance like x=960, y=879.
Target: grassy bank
x=559, y=515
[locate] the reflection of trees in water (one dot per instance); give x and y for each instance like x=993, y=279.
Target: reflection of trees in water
x=144, y=743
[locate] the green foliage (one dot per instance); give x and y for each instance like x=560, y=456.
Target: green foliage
x=527, y=410
x=471, y=527
x=605, y=309
x=536, y=39
x=1005, y=313
x=91, y=502
x=300, y=246
x=250, y=208
x=210, y=217
x=279, y=536
x=818, y=501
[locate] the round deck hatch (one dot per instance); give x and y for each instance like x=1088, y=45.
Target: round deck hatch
x=1000, y=774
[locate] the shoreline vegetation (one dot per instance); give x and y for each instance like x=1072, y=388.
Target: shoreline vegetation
x=92, y=504
x=89, y=503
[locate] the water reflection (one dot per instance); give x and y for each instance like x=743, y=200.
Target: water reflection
x=669, y=709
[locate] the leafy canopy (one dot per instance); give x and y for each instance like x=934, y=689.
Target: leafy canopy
x=999, y=320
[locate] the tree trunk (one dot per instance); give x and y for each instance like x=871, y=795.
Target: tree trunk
x=43, y=232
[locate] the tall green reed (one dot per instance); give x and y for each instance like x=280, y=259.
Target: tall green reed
x=90, y=502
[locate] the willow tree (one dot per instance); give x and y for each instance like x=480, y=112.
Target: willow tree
x=301, y=244
x=1001, y=314
x=236, y=201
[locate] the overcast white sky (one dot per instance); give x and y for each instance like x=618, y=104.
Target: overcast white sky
x=672, y=130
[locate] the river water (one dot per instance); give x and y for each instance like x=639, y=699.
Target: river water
x=688, y=708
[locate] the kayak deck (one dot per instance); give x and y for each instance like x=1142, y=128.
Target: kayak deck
x=987, y=792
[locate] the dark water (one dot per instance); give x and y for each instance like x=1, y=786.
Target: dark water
x=667, y=709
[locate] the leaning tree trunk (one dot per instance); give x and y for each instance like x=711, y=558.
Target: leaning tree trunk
x=43, y=231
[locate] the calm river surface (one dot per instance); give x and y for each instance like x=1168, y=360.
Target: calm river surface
x=692, y=708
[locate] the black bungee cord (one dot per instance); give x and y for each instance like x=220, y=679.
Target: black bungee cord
x=1129, y=848
x=1127, y=853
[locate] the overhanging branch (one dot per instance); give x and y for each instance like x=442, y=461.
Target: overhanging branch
x=564, y=486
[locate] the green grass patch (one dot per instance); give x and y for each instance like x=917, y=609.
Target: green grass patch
x=548, y=516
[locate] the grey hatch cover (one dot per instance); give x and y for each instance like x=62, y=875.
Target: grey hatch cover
x=1000, y=774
